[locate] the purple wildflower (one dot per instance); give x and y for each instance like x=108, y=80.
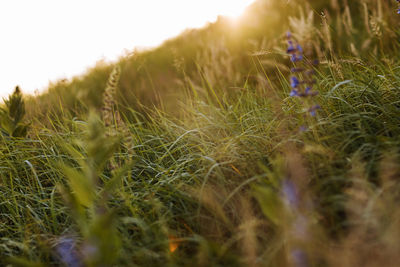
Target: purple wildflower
x=290, y=193
x=299, y=225
x=315, y=62
x=299, y=258
x=299, y=48
x=313, y=110
x=295, y=58
x=294, y=82
x=67, y=252
x=303, y=128
x=295, y=51
x=294, y=92
x=308, y=92
x=291, y=49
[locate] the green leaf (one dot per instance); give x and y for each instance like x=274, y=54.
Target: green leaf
x=81, y=186
x=270, y=203
x=117, y=177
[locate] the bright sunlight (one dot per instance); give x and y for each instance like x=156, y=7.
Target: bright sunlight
x=47, y=40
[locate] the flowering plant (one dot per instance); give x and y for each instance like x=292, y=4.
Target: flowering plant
x=302, y=81
x=398, y=9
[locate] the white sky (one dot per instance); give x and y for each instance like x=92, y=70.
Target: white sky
x=45, y=40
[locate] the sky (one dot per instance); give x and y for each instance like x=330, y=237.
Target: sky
x=47, y=40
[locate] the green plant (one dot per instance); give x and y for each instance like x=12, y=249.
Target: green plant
x=12, y=116
x=88, y=192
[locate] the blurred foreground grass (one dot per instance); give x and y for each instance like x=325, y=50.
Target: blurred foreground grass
x=194, y=153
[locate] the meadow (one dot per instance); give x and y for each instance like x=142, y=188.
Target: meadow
x=272, y=141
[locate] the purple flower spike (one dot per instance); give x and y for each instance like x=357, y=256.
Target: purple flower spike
x=303, y=128
x=299, y=48
x=308, y=92
x=294, y=92
x=291, y=49
x=294, y=82
x=313, y=110
x=299, y=57
x=67, y=252
x=315, y=62
x=316, y=107
x=304, y=87
x=299, y=258
x=295, y=58
x=290, y=193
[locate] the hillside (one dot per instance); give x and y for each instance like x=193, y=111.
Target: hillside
x=151, y=76
x=271, y=141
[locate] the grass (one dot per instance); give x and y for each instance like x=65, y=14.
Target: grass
x=198, y=157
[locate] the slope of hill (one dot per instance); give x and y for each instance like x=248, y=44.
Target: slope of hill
x=233, y=145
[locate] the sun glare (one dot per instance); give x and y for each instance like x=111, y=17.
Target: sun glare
x=47, y=40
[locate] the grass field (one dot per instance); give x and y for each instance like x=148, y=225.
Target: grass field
x=233, y=145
